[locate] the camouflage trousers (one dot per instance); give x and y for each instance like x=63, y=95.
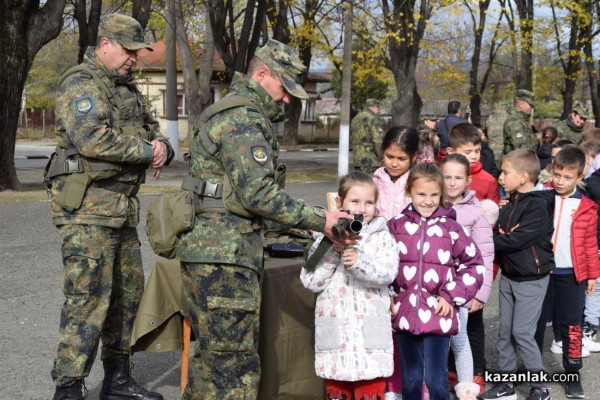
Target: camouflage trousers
x=223, y=301
x=103, y=282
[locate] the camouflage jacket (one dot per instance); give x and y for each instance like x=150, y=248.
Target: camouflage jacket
x=87, y=120
x=517, y=132
x=247, y=152
x=366, y=137
x=568, y=130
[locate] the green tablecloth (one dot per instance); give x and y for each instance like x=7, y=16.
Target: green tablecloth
x=287, y=326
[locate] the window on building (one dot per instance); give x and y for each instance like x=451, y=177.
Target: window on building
x=181, y=111
x=309, y=110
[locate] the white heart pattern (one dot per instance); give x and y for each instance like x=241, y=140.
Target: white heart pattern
x=434, y=231
x=470, y=250
x=395, y=307
x=432, y=302
x=481, y=269
x=459, y=301
x=451, y=285
x=425, y=248
x=468, y=279
x=466, y=231
x=424, y=315
x=449, y=276
x=431, y=275
x=453, y=236
x=409, y=272
x=461, y=267
x=413, y=299
x=445, y=324
x=444, y=256
x=411, y=228
x=403, y=324
x=401, y=248
x=433, y=221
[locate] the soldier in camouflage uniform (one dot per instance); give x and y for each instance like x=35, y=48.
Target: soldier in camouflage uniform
x=234, y=172
x=572, y=127
x=366, y=137
x=494, y=125
x=517, y=130
x=106, y=141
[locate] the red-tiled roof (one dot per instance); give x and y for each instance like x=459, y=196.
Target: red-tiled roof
x=156, y=60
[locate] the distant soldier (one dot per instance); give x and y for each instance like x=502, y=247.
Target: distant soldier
x=494, y=125
x=517, y=130
x=571, y=128
x=366, y=137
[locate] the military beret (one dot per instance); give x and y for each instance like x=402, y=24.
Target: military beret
x=281, y=59
x=581, y=111
x=526, y=95
x=125, y=30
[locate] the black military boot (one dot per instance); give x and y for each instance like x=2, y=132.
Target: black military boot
x=118, y=383
x=74, y=391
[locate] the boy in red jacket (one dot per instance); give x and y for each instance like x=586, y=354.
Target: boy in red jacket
x=465, y=139
x=576, y=256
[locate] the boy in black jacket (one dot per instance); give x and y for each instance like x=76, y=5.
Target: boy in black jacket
x=522, y=241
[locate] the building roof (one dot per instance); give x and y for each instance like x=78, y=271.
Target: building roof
x=156, y=61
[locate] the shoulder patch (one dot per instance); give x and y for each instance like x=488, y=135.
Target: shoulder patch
x=259, y=153
x=84, y=105
x=518, y=135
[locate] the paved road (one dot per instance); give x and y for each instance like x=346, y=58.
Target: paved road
x=30, y=276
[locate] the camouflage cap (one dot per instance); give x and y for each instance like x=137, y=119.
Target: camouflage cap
x=581, y=111
x=284, y=62
x=125, y=30
x=526, y=95
x=373, y=103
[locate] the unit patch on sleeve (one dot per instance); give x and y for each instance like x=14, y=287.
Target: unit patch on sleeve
x=84, y=105
x=260, y=154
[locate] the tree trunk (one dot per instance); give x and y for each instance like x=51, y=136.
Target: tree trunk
x=474, y=89
x=525, y=9
x=405, y=33
x=141, y=11
x=88, y=25
x=23, y=22
x=593, y=80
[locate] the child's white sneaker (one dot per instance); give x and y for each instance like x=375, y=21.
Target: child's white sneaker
x=556, y=347
x=392, y=396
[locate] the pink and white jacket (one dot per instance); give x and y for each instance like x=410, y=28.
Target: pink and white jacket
x=478, y=217
x=353, y=331
x=437, y=258
x=392, y=195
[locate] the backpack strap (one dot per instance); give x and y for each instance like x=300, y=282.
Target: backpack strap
x=224, y=104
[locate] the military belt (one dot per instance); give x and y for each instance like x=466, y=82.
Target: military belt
x=128, y=189
x=203, y=188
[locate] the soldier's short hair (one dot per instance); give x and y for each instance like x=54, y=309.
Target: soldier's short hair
x=463, y=134
x=524, y=160
x=453, y=107
x=570, y=157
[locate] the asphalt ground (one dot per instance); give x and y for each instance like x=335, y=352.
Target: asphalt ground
x=31, y=297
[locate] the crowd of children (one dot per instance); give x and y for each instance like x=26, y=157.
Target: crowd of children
x=390, y=308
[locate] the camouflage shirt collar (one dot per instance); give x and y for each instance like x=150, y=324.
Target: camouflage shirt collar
x=572, y=125
x=91, y=57
x=243, y=85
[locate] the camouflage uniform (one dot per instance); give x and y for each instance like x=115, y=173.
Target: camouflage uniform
x=494, y=124
x=518, y=133
x=235, y=151
x=106, y=141
x=366, y=137
x=568, y=130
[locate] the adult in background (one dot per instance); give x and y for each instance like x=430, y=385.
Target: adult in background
x=572, y=127
x=107, y=139
x=234, y=170
x=517, y=131
x=367, y=133
x=445, y=125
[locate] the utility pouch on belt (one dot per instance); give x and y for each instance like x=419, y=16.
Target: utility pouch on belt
x=169, y=215
x=71, y=196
